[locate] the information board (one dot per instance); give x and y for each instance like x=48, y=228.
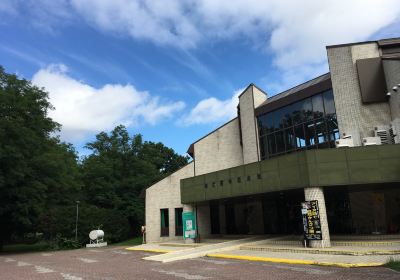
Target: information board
x=189, y=225
x=311, y=220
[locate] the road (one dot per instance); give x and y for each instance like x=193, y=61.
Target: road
x=117, y=263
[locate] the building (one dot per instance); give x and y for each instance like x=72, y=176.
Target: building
x=334, y=139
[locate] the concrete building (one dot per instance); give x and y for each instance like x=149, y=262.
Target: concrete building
x=334, y=139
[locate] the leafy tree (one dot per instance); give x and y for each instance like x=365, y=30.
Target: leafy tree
x=35, y=168
x=120, y=168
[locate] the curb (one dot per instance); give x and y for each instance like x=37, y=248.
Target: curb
x=148, y=250
x=292, y=261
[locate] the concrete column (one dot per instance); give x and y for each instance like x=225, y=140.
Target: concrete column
x=316, y=193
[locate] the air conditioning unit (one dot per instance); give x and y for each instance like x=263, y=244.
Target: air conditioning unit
x=370, y=141
x=383, y=132
x=347, y=142
x=353, y=134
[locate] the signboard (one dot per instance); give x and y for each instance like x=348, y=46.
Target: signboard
x=189, y=225
x=311, y=220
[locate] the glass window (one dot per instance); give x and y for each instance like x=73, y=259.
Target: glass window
x=262, y=124
x=271, y=144
x=178, y=222
x=309, y=129
x=321, y=133
x=263, y=147
x=300, y=138
x=289, y=139
x=307, y=109
x=318, y=106
x=329, y=103
x=280, y=141
x=164, y=222
x=310, y=123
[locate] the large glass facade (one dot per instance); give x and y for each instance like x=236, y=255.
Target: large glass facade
x=306, y=124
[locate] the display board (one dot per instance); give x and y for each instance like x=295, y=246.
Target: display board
x=189, y=225
x=311, y=220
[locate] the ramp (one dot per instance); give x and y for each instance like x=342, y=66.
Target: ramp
x=204, y=250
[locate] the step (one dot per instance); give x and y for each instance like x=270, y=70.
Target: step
x=325, y=251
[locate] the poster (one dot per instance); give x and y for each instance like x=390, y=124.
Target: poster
x=311, y=220
x=189, y=225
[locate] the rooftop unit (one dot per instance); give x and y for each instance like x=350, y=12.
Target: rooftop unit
x=383, y=132
x=370, y=141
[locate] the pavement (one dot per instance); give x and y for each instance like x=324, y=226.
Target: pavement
x=117, y=263
x=281, y=249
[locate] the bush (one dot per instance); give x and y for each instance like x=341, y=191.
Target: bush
x=62, y=243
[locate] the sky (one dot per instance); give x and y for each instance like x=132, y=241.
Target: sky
x=172, y=70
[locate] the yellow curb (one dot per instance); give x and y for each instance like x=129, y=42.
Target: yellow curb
x=324, y=251
x=148, y=250
x=291, y=261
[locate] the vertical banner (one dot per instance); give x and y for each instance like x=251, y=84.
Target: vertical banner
x=311, y=220
x=189, y=225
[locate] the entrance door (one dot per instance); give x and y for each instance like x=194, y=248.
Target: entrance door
x=214, y=217
x=230, y=218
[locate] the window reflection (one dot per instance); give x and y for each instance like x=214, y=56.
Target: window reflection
x=309, y=123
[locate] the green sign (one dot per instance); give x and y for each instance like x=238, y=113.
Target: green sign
x=189, y=225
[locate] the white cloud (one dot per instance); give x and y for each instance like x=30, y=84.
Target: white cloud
x=212, y=110
x=83, y=110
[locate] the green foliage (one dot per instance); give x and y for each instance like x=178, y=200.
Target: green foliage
x=41, y=178
x=62, y=243
x=393, y=264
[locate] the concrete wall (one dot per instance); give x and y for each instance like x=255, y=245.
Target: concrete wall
x=248, y=100
x=219, y=150
x=392, y=74
x=352, y=114
x=165, y=194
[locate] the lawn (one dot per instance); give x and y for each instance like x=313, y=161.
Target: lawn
x=17, y=248
x=395, y=265
x=130, y=242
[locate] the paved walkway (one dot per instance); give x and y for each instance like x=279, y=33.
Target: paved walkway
x=307, y=258
x=280, y=250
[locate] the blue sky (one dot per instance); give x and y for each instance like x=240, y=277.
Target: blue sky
x=172, y=70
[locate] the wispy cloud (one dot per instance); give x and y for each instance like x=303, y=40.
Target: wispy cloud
x=212, y=110
x=84, y=110
x=23, y=56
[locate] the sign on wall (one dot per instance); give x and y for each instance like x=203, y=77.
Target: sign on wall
x=311, y=220
x=189, y=225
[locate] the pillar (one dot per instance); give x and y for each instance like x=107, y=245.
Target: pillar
x=317, y=193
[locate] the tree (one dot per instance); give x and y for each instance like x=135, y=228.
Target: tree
x=35, y=168
x=121, y=167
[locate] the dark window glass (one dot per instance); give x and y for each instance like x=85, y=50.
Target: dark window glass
x=318, y=106
x=300, y=138
x=178, y=222
x=262, y=124
x=333, y=130
x=263, y=147
x=280, y=141
x=321, y=133
x=309, y=130
x=271, y=144
x=270, y=119
x=290, y=139
x=164, y=222
x=286, y=116
x=329, y=103
x=309, y=123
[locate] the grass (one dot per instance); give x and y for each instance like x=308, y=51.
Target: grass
x=130, y=242
x=395, y=265
x=18, y=248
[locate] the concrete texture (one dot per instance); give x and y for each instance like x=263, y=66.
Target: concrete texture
x=353, y=116
x=115, y=263
x=219, y=150
x=165, y=194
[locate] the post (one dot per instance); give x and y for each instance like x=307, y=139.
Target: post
x=76, y=221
